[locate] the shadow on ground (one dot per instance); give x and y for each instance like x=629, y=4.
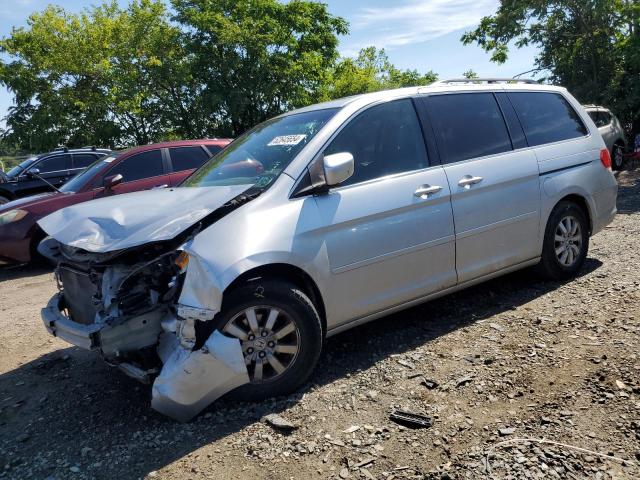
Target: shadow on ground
x=16, y=272
x=53, y=408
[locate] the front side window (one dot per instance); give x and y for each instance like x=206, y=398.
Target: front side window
x=187, y=158
x=384, y=140
x=53, y=164
x=136, y=167
x=468, y=125
x=259, y=156
x=547, y=117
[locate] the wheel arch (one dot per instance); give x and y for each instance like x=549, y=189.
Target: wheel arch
x=290, y=273
x=581, y=202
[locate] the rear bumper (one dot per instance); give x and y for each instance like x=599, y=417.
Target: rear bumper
x=61, y=326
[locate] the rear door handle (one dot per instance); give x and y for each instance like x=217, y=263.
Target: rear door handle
x=425, y=190
x=468, y=180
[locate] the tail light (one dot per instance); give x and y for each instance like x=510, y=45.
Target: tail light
x=605, y=158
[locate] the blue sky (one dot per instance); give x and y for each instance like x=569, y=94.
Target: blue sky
x=417, y=34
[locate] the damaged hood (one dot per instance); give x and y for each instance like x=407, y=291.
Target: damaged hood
x=125, y=221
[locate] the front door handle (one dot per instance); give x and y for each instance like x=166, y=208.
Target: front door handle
x=425, y=190
x=164, y=185
x=468, y=180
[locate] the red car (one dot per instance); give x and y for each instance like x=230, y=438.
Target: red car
x=141, y=168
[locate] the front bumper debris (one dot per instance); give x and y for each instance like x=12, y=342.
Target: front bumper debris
x=58, y=325
x=191, y=380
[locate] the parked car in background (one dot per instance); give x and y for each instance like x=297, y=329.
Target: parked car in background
x=612, y=133
x=38, y=173
x=322, y=219
x=140, y=168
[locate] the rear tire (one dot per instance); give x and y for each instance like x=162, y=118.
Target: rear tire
x=617, y=157
x=566, y=242
x=294, y=354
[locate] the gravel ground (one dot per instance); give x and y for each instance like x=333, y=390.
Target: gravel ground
x=513, y=359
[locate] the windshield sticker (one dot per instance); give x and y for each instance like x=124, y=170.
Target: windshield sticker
x=286, y=140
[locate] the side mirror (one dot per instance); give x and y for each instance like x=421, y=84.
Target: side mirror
x=32, y=173
x=337, y=168
x=112, y=181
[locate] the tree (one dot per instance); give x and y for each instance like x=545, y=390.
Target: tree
x=103, y=76
x=371, y=71
x=470, y=74
x=256, y=59
x=591, y=47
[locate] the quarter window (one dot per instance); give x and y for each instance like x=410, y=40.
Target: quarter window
x=547, y=117
x=187, y=158
x=384, y=140
x=143, y=165
x=468, y=125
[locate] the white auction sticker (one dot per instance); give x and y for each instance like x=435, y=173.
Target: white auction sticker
x=286, y=140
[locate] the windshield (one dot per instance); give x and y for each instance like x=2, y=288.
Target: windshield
x=78, y=182
x=260, y=155
x=18, y=169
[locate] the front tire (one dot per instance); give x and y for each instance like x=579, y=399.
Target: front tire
x=566, y=242
x=280, y=333
x=617, y=157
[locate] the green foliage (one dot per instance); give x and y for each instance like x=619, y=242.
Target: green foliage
x=590, y=47
x=470, y=74
x=114, y=76
x=96, y=77
x=255, y=59
x=370, y=71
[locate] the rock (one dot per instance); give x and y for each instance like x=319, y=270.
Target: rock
x=23, y=437
x=74, y=469
x=497, y=327
x=506, y=431
x=351, y=429
x=278, y=422
x=464, y=380
x=344, y=473
x=620, y=384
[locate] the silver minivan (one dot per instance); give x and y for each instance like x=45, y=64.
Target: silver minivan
x=322, y=219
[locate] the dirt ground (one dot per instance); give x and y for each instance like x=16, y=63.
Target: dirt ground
x=513, y=359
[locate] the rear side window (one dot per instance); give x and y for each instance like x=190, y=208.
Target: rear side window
x=468, y=125
x=143, y=165
x=83, y=160
x=385, y=139
x=53, y=164
x=546, y=117
x=187, y=158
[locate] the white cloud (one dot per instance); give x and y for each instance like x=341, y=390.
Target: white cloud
x=412, y=21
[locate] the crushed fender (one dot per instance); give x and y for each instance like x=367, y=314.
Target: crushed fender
x=191, y=380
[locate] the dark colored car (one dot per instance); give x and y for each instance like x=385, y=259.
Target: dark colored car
x=56, y=168
x=141, y=168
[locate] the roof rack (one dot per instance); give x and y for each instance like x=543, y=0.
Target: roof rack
x=487, y=80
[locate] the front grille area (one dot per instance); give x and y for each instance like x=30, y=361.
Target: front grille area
x=78, y=291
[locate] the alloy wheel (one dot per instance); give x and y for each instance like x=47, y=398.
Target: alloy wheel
x=568, y=241
x=270, y=341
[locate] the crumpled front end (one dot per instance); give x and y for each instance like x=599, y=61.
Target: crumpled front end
x=128, y=306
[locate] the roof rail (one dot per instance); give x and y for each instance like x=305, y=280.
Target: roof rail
x=486, y=80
